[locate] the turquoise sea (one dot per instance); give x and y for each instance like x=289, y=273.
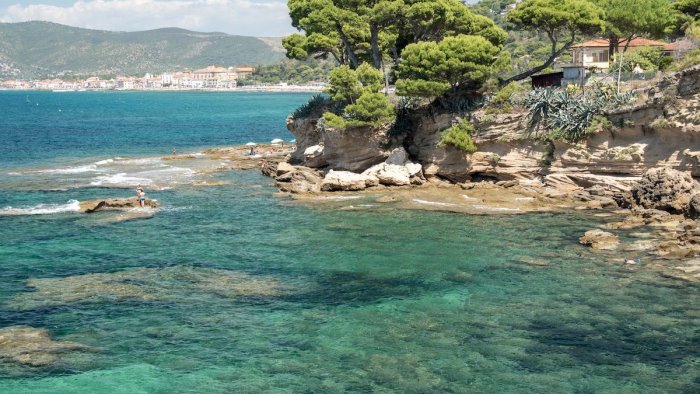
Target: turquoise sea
x=233, y=289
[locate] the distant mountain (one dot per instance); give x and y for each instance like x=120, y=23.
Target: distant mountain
x=40, y=49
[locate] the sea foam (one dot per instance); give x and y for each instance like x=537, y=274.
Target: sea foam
x=42, y=209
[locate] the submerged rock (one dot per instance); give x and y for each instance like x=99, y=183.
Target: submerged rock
x=145, y=284
x=33, y=346
x=599, y=239
x=106, y=204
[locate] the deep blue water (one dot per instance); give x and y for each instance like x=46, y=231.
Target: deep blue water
x=231, y=288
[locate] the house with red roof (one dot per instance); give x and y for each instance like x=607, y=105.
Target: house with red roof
x=595, y=53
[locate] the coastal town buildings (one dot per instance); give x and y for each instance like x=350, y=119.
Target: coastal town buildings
x=208, y=78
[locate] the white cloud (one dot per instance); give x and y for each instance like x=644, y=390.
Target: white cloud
x=243, y=17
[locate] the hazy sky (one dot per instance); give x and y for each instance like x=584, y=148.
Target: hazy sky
x=258, y=18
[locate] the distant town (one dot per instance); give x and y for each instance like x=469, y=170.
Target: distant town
x=211, y=78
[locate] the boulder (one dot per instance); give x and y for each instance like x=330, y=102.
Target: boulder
x=313, y=151
x=394, y=175
x=599, y=239
x=347, y=181
x=397, y=157
x=693, y=210
x=283, y=167
x=665, y=189
x=300, y=180
x=107, y=204
x=268, y=168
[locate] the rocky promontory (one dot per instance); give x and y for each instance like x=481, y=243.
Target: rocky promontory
x=641, y=169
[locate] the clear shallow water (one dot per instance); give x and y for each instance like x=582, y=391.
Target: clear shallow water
x=375, y=300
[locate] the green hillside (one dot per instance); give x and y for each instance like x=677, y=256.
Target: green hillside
x=36, y=49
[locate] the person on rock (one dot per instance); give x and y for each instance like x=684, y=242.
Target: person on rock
x=141, y=196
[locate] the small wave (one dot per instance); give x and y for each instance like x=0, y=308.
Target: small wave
x=436, y=203
x=120, y=179
x=69, y=170
x=103, y=162
x=42, y=209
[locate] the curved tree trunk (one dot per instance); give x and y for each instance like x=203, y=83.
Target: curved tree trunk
x=553, y=56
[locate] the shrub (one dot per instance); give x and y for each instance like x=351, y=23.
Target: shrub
x=459, y=136
x=660, y=123
x=371, y=109
x=690, y=59
x=503, y=98
x=648, y=58
x=313, y=108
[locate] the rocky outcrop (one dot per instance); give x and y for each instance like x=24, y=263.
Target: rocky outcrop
x=347, y=181
x=299, y=180
x=353, y=149
x=663, y=130
x=664, y=189
x=33, y=346
x=599, y=239
x=107, y=204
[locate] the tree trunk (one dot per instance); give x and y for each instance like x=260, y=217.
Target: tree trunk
x=555, y=53
x=374, y=42
x=622, y=54
x=348, y=48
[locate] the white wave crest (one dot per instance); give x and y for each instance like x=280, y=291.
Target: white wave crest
x=42, y=209
x=70, y=170
x=121, y=179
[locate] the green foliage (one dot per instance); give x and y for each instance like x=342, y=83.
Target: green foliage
x=346, y=85
x=630, y=18
x=371, y=108
x=660, y=123
x=570, y=117
x=356, y=31
x=688, y=7
x=647, y=58
x=334, y=121
x=560, y=20
x=430, y=69
x=503, y=98
x=690, y=59
x=598, y=124
x=315, y=107
x=289, y=71
x=459, y=136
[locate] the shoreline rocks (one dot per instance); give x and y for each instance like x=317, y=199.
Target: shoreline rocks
x=108, y=204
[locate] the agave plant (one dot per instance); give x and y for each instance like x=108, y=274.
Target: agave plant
x=571, y=115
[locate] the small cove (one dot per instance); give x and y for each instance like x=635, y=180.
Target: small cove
x=377, y=299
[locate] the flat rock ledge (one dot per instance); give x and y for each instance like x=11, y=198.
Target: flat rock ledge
x=33, y=346
x=600, y=240
x=107, y=204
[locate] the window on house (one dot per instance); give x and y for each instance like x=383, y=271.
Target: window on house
x=600, y=56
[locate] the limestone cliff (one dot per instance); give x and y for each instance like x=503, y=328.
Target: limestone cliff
x=661, y=130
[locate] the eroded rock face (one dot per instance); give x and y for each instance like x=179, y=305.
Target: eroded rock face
x=107, y=204
x=599, y=239
x=33, y=346
x=693, y=211
x=664, y=189
x=354, y=149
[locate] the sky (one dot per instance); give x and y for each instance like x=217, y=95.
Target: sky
x=257, y=18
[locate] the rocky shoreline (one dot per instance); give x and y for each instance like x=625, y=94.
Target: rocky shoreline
x=642, y=172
